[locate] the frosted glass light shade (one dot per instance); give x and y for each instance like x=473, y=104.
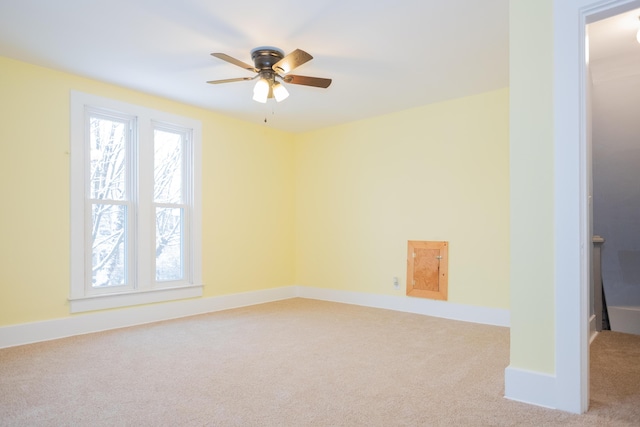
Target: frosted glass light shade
x=261, y=91
x=280, y=92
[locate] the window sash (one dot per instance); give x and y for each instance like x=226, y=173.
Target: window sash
x=127, y=200
x=127, y=248
x=164, y=248
x=141, y=285
x=184, y=204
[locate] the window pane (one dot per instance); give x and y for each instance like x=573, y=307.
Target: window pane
x=108, y=257
x=167, y=166
x=107, y=139
x=169, y=244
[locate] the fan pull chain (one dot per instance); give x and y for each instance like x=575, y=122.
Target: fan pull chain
x=273, y=113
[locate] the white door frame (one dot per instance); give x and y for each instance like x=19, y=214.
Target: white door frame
x=571, y=208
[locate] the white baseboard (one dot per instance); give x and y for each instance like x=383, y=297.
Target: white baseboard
x=624, y=319
x=530, y=387
x=447, y=310
x=592, y=328
x=27, y=333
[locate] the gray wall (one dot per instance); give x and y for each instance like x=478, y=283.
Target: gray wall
x=616, y=185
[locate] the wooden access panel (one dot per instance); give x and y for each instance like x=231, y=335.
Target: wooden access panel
x=427, y=269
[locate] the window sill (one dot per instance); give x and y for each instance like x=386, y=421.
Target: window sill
x=103, y=302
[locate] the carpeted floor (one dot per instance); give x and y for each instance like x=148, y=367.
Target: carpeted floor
x=297, y=362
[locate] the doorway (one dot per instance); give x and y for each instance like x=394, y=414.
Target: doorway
x=572, y=237
x=614, y=85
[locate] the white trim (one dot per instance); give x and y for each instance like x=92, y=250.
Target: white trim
x=625, y=319
x=534, y=388
x=571, y=208
x=27, y=333
x=592, y=328
x=144, y=289
x=447, y=310
x=105, y=301
x=571, y=314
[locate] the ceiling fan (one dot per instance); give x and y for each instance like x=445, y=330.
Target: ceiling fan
x=272, y=67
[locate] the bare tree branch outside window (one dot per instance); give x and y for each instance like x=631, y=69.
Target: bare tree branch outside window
x=107, y=139
x=108, y=192
x=168, y=192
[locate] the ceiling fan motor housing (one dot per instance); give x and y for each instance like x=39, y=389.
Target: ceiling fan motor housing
x=265, y=57
x=271, y=63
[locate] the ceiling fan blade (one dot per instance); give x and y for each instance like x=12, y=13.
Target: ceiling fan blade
x=307, y=81
x=238, y=79
x=291, y=61
x=235, y=61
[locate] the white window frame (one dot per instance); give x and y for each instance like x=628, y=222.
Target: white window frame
x=185, y=203
x=144, y=288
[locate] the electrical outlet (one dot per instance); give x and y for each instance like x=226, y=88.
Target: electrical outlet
x=396, y=284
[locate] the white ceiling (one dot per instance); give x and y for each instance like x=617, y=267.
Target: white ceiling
x=614, y=51
x=383, y=56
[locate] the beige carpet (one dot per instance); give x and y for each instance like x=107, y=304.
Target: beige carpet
x=297, y=363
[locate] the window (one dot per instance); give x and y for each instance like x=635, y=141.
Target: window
x=135, y=205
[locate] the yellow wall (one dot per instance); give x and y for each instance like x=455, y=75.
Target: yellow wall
x=531, y=177
x=332, y=208
x=248, y=194
x=438, y=172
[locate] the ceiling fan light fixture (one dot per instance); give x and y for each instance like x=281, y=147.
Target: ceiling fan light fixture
x=271, y=63
x=261, y=91
x=279, y=91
